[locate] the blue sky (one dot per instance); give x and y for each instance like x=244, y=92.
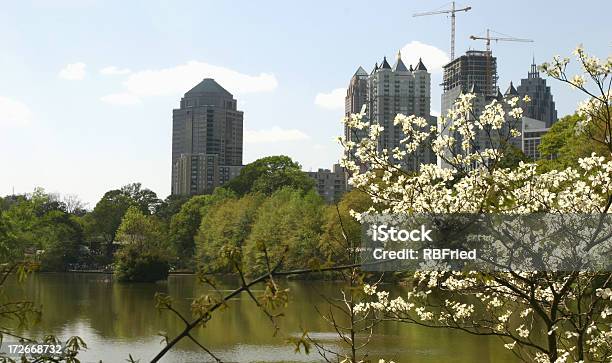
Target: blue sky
x=87, y=87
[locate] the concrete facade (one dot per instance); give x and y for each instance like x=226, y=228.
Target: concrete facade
x=206, y=139
x=330, y=184
x=388, y=91
x=531, y=136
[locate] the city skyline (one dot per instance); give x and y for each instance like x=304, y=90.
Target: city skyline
x=93, y=113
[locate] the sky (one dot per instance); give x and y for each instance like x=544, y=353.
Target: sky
x=87, y=87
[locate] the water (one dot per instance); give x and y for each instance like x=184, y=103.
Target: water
x=117, y=319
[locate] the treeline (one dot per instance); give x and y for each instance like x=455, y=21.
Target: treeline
x=141, y=237
x=272, y=202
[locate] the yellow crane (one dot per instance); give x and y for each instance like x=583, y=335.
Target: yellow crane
x=451, y=11
x=488, y=38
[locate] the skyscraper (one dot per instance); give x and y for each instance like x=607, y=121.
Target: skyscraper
x=541, y=107
x=389, y=91
x=474, y=69
x=475, y=73
x=206, y=139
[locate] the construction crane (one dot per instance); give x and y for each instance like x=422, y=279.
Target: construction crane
x=488, y=39
x=451, y=11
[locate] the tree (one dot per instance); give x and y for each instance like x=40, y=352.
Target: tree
x=184, y=224
x=74, y=205
x=223, y=232
x=170, y=206
x=266, y=175
x=562, y=146
x=102, y=223
x=543, y=316
x=59, y=235
x=287, y=227
x=144, y=198
x=27, y=223
x=512, y=157
x=340, y=226
x=144, y=254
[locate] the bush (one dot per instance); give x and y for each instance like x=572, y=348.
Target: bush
x=144, y=254
x=134, y=265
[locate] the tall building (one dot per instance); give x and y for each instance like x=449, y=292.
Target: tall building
x=541, y=107
x=474, y=69
x=388, y=91
x=330, y=184
x=356, y=98
x=206, y=139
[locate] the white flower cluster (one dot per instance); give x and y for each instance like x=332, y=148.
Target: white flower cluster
x=474, y=185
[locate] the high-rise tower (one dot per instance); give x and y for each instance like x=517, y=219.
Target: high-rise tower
x=206, y=139
x=475, y=68
x=391, y=90
x=542, y=106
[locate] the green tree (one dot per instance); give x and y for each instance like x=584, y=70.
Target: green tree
x=224, y=229
x=145, y=199
x=512, y=156
x=563, y=145
x=340, y=224
x=170, y=206
x=59, y=235
x=269, y=174
x=144, y=254
x=288, y=226
x=102, y=223
x=184, y=224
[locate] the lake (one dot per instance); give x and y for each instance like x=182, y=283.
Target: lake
x=116, y=319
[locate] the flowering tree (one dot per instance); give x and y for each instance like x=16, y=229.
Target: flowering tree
x=542, y=316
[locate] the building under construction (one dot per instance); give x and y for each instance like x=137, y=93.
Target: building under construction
x=476, y=70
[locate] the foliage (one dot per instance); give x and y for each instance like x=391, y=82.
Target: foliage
x=269, y=174
x=170, y=206
x=223, y=230
x=31, y=223
x=38, y=225
x=60, y=236
x=562, y=146
x=543, y=316
x=102, y=223
x=184, y=224
x=287, y=227
x=512, y=157
x=339, y=226
x=144, y=253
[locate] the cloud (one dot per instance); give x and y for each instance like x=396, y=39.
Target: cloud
x=275, y=134
x=124, y=98
x=73, y=71
x=114, y=71
x=181, y=78
x=13, y=112
x=333, y=100
x=433, y=58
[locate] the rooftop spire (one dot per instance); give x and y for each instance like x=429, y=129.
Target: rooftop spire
x=511, y=91
x=399, y=65
x=420, y=66
x=385, y=64
x=360, y=72
x=533, y=73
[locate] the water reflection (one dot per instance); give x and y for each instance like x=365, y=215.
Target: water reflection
x=116, y=319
